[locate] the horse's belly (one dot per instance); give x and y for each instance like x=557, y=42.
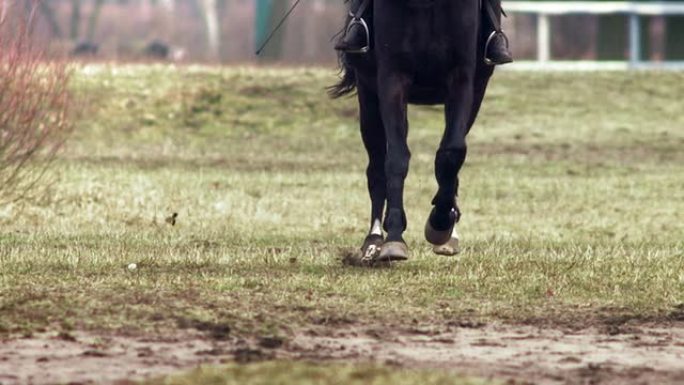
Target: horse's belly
x=427, y=95
x=429, y=83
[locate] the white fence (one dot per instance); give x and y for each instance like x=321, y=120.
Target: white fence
x=543, y=11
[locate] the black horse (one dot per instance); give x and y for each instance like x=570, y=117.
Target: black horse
x=423, y=52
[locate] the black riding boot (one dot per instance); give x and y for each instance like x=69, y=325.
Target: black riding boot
x=356, y=37
x=496, y=49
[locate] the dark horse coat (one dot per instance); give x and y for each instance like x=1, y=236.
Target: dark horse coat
x=423, y=52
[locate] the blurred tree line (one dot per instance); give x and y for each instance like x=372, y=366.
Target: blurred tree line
x=192, y=30
x=229, y=30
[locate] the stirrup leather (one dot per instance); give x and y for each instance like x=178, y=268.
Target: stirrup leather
x=491, y=37
x=359, y=21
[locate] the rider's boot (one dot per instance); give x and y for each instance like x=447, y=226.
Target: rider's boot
x=356, y=37
x=497, y=51
x=496, y=48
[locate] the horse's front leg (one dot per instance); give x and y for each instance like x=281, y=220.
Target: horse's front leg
x=393, y=88
x=373, y=135
x=440, y=228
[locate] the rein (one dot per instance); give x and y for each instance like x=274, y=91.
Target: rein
x=277, y=27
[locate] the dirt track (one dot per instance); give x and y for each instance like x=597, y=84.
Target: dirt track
x=521, y=354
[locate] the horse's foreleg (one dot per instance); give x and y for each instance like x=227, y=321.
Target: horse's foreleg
x=393, y=97
x=440, y=228
x=373, y=135
x=479, y=89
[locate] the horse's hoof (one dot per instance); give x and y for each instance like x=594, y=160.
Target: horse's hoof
x=393, y=251
x=437, y=237
x=450, y=248
x=371, y=248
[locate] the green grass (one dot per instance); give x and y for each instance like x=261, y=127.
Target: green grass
x=276, y=373
x=572, y=199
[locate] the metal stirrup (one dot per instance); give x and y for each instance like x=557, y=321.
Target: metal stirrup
x=359, y=21
x=491, y=37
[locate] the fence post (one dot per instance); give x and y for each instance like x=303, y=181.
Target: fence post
x=543, y=38
x=634, y=39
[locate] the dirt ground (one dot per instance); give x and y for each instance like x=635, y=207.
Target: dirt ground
x=522, y=354
x=643, y=354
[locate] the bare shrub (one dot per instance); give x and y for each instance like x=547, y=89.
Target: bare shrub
x=34, y=101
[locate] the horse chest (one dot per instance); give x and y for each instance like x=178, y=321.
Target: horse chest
x=429, y=64
x=428, y=41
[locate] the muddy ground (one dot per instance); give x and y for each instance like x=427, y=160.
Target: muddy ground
x=629, y=354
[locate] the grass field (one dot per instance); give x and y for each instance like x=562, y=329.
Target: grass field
x=284, y=373
x=572, y=197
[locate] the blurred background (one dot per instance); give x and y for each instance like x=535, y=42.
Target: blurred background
x=228, y=31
